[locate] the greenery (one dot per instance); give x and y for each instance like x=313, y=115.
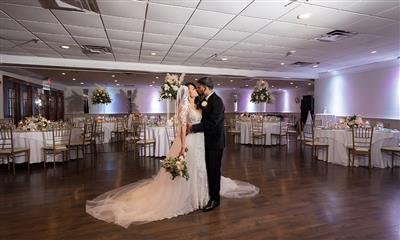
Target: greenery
x=261, y=93
x=101, y=96
x=176, y=166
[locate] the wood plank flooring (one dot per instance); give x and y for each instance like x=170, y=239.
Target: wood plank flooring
x=299, y=198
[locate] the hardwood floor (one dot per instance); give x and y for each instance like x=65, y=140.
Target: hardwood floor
x=299, y=199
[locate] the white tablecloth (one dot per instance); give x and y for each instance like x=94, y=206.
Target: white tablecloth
x=108, y=127
x=162, y=142
x=339, y=139
x=326, y=119
x=35, y=141
x=268, y=127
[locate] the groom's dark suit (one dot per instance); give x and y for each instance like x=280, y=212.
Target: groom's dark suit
x=212, y=124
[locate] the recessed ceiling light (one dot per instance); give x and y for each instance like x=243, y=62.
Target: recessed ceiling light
x=315, y=66
x=231, y=80
x=373, y=52
x=64, y=47
x=234, y=88
x=113, y=75
x=297, y=87
x=150, y=85
x=196, y=79
x=63, y=73
x=153, y=54
x=291, y=83
x=118, y=84
x=304, y=16
x=157, y=77
x=272, y=86
x=82, y=83
x=224, y=59
x=282, y=63
x=247, y=85
x=309, y=84
x=115, y=80
x=153, y=82
x=73, y=79
x=219, y=84
x=286, y=77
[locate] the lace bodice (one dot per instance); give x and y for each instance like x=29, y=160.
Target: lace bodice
x=188, y=115
x=194, y=116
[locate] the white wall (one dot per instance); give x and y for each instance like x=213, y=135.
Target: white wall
x=286, y=99
x=146, y=100
x=372, y=92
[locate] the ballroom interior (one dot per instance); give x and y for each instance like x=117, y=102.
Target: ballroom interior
x=311, y=90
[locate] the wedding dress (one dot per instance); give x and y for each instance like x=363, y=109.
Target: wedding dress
x=161, y=197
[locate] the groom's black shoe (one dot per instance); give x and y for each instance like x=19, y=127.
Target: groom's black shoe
x=211, y=205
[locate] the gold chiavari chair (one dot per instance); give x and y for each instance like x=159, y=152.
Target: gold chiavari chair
x=85, y=140
x=310, y=140
x=171, y=132
x=257, y=131
x=283, y=132
x=362, y=143
x=132, y=134
x=144, y=141
x=293, y=129
x=98, y=132
x=57, y=141
x=7, y=147
x=119, y=129
x=233, y=129
x=394, y=151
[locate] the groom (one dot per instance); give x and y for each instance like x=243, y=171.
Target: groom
x=212, y=124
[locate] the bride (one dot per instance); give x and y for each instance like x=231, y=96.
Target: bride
x=161, y=197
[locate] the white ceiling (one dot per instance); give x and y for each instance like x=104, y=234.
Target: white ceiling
x=252, y=34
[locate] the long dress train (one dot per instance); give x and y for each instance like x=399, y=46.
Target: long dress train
x=161, y=197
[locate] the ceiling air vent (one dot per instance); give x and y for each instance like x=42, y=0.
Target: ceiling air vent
x=302, y=64
x=335, y=35
x=90, y=49
x=71, y=5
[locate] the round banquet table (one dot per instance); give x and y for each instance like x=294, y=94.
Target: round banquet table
x=35, y=141
x=268, y=128
x=340, y=139
x=160, y=135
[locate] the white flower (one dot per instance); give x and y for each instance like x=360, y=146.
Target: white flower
x=175, y=88
x=166, y=87
x=204, y=104
x=169, y=95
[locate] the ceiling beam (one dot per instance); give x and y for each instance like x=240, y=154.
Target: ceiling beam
x=146, y=67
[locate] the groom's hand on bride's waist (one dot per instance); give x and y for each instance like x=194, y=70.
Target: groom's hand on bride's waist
x=188, y=128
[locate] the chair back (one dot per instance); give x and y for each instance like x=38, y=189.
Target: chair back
x=257, y=125
x=171, y=131
x=233, y=124
x=57, y=136
x=283, y=127
x=120, y=125
x=362, y=137
x=98, y=126
x=88, y=130
x=308, y=133
x=6, y=138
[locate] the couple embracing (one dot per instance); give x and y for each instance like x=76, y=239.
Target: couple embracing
x=201, y=132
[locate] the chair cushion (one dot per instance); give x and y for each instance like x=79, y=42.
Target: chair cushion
x=56, y=148
x=148, y=141
x=234, y=131
x=16, y=150
x=131, y=138
x=361, y=149
x=391, y=149
x=317, y=144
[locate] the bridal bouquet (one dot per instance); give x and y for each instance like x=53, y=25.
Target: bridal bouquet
x=171, y=85
x=261, y=93
x=176, y=166
x=100, y=96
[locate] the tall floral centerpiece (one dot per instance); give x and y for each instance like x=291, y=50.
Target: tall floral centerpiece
x=261, y=93
x=101, y=96
x=170, y=88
